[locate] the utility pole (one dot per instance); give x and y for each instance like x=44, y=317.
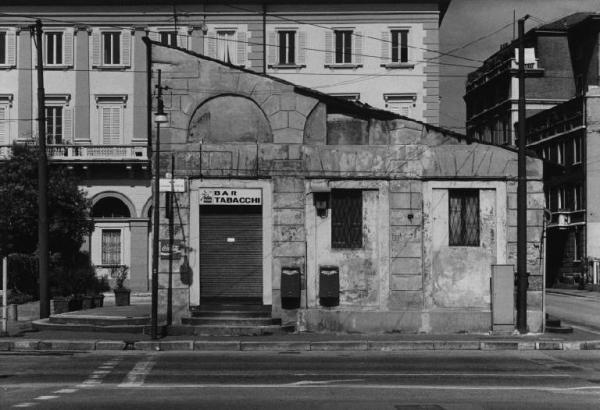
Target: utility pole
x=522, y=274
x=169, y=205
x=159, y=118
x=42, y=178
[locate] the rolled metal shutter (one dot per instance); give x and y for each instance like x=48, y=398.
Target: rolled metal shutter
x=231, y=252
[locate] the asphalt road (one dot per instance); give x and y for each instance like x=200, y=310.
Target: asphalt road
x=581, y=310
x=302, y=380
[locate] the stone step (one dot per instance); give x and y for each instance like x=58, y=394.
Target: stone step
x=559, y=329
x=230, y=321
x=45, y=324
x=215, y=330
x=230, y=313
x=99, y=320
x=231, y=307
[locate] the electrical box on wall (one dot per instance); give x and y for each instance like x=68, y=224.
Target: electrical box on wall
x=329, y=285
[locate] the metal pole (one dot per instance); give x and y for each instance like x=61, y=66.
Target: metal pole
x=170, y=216
x=156, y=223
x=4, y=296
x=42, y=179
x=522, y=280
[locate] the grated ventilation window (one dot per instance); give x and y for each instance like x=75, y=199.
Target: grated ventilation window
x=464, y=217
x=346, y=219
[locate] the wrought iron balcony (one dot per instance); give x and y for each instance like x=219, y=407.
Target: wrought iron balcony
x=84, y=153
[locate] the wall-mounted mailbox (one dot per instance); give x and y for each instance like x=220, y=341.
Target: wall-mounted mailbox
x=290, y=287
x=329, y=285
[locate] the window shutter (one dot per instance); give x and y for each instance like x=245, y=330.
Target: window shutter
x=67, y=124
x=68, y=48
x=385, y=46
x=3, y=126
x=153, y=34
x=212, y=44
x=329, y=47
x=272, y=48
x=182, y=38
x=301, y=49
x=11, y=50
x=242, y=48
x=96, y=47
x=125, y=48
x=115, y=125
x=358, y=47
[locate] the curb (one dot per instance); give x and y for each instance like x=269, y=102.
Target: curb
x=28, y=345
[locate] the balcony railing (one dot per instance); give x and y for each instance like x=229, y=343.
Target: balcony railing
x=89, y=152
x=481, y=76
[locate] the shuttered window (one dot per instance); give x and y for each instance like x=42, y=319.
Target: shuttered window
x=111, y=48
x=111, y=124
x=463, y=217
x=346, y=219
x=111, y=247
x=54, y=48
x=343, y=46
x=399, y=46
x=287, y=47
x=54, y=125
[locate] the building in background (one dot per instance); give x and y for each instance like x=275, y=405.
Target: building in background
x=96, y=75
x=563, y=76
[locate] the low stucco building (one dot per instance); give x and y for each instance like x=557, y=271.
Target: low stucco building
x=409, y=217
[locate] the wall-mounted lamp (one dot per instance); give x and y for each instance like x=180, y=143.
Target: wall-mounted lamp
x=160, y=117
x=321, y=203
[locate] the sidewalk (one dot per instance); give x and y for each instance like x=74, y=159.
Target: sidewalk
x=575, y=292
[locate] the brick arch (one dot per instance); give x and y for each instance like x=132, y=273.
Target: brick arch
x=114, y=194
x=229, y=117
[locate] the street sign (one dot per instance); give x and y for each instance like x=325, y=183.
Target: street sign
x=171, y=185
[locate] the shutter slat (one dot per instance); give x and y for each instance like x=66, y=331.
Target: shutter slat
x=242, y=48
x=67, y=124
x=126, y=48
x=212, y=44
x=96, y=47
x=11, y=50
x=358, y=47
x=385, y=46
x=272, y=48
x=182, y=38
x=329, y=47
x=3, y=126
x=68, y=48
x=301, y=49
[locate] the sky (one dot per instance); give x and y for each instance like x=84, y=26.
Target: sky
x=467, y=21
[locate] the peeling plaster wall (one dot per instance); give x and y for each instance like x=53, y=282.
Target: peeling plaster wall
x=394, y=284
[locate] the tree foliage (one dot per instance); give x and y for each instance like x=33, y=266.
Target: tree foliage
x=68, y=207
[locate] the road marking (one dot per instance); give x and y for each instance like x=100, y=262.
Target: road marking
x=65, y=391
x=25, y=405
x=360, y=386
x=137, y=375
x=46, y=397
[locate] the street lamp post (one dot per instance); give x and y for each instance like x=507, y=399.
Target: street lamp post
x=159, y=118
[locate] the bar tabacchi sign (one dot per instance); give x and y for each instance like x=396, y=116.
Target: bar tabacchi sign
x=216, y=196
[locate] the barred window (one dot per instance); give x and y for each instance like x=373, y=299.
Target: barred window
x=346, y=219
x=464, y=217
x=111, y=246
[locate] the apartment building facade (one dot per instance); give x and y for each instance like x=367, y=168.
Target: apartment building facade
x=96, y=82
x=561, y=86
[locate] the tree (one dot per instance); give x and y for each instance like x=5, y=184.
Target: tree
x=68, y=207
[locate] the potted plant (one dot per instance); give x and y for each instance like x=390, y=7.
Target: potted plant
x=101, y=286
x=120, y=273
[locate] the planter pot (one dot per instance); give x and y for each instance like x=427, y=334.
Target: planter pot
x=75, y=303
x=61, y=305
x=87, y=302
x=122, y=297
x=98, y=300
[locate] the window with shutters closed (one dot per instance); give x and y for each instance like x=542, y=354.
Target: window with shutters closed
x=111, y=124
x=3, y=47
x=346, y=219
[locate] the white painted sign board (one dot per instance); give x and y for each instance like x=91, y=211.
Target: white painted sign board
x=230, y=196
x=171, y=185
